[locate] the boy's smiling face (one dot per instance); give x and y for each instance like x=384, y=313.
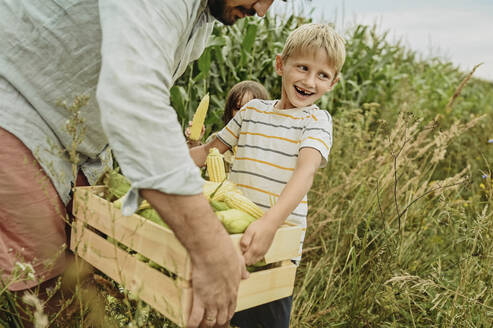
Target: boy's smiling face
x=306, y=76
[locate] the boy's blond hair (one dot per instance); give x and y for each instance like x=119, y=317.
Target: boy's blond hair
x=315, y=36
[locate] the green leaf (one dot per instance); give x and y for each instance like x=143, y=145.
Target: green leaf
x=248, y=41
x=178, y=94
x=204, y=62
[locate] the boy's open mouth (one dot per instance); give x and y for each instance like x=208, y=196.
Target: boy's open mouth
x=303, y=92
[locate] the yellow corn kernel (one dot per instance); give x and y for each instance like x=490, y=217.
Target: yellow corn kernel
x=211, y=187
x=227, y=188
x=198, y=118
x=241, y=202
x=215, y=166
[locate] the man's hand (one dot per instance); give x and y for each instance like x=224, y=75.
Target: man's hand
x=257, y=239
x=215, y=284
x=217, y=266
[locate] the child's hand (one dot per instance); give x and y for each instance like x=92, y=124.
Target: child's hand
x=187, y=130
x=257, y=239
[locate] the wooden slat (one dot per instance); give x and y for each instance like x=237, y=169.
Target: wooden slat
x=153, y=287
x=266, y=286
x=285, y=245
x=164, y=294
x=147, y=238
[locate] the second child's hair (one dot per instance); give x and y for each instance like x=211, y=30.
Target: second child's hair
x=235, y=95
x=315, y=36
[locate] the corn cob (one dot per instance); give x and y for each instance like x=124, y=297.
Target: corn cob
x=152, y=215
x=209, y=188
x=215, y=166
x=143, y=205
x=238, y=201
x=117, y=184
x=227, y=187
x=218, y=206
x=234, y=220
x=198, y=118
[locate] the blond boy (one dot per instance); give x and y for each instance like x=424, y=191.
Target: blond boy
x=280, y=145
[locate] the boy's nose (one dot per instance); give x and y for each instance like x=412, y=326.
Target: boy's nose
x=310, y=80
x=262, y=6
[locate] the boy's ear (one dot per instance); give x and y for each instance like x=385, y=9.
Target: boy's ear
x=279, y=65
x=334, y=82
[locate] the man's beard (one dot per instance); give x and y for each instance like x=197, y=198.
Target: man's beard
x=219, y=11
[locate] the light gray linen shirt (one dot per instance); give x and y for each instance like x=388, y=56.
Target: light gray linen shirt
x=125, y=55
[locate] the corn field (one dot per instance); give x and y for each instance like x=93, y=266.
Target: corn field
x=400, y=227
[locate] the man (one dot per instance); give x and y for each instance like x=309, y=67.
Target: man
x=126, y=56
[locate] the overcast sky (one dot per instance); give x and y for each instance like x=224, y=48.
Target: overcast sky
x=458, y=30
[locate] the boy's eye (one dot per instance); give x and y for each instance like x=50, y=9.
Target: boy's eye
x=303, y=67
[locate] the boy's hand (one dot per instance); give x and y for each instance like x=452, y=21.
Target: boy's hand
x=257, y=239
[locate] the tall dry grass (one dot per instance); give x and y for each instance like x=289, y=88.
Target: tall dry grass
x=392, y=241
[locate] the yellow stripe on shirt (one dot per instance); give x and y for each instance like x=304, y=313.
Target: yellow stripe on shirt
x=268, y=136
x=317, y=139
x=263, y=162
x=275, y=113
x=234, y=135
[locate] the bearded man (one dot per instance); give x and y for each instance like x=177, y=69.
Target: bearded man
x=125, y=56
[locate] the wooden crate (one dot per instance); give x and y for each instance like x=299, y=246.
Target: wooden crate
x=171, y=295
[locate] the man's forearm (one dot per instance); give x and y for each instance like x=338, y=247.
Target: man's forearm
x=217, y=266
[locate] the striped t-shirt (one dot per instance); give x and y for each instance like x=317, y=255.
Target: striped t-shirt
x=268, y=141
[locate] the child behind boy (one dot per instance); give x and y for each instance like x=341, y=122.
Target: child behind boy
x=280, y=145
x=239, y=94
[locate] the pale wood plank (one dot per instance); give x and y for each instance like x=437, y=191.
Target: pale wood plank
x=153, y=287
x=160, y=245
x=266, y=286
x=147, y=238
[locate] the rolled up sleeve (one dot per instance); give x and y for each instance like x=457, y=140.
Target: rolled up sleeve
x=318, y=134
x=138, y=48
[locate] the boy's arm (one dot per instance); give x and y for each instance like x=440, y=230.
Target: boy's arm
x=199, y=153
x=258, y=237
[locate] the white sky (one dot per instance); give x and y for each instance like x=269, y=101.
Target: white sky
x=457, y=30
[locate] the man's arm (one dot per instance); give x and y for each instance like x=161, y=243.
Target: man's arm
x=258, y=237
x=139, y=44
x=217, y=266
